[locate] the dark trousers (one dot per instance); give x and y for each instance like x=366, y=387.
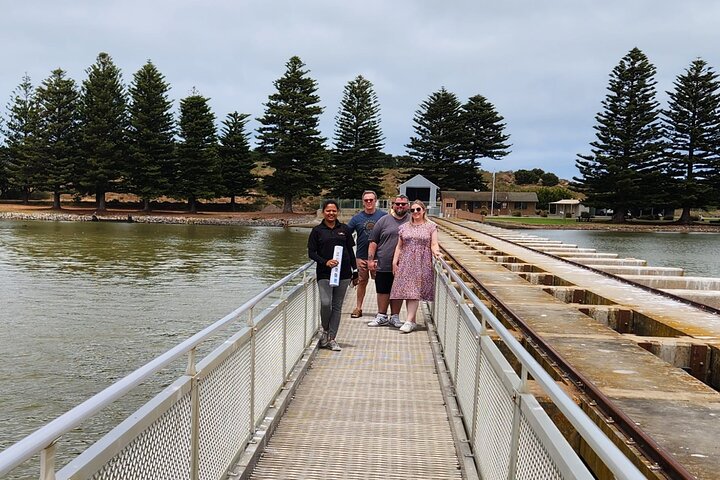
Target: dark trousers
x=331, y=300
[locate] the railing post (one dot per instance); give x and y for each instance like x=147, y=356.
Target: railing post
x=285, y=339
x=194, y=417
x=515, y=434
x=306, y=315
x=478, y=359
x=47, y=462
x=251, y=324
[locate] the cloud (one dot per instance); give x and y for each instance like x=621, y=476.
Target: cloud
x=544, y=65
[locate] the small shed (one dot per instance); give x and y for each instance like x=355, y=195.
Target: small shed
x=420, y=188
x=570, y=206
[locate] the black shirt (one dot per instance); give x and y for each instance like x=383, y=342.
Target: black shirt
x=321, y=246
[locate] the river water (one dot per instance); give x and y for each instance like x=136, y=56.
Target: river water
x=84, y=304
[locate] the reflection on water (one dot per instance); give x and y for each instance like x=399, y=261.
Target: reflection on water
x=697, y=253
x=84, y=304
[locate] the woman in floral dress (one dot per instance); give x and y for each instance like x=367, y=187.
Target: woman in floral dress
x=412, y=263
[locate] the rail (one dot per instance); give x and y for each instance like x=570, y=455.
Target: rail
x=194, y=428
x=510, y=434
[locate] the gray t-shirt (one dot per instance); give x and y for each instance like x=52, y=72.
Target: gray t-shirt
x=385, y=234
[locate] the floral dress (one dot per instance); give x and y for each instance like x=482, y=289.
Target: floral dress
x=414, y=279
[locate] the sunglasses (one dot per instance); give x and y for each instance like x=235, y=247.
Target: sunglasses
x=418, y=209
x=401, y=204
x=368, y=200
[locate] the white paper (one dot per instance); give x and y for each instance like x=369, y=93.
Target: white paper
x=335, y=271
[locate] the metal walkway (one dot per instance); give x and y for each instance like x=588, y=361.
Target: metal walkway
x=374, y=410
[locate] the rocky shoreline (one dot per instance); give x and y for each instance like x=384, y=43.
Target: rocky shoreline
x=257, y=221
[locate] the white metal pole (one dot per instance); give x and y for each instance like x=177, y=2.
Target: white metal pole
x=492, y=195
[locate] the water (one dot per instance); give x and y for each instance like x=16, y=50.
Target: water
x=697, y=253
x=84, y=304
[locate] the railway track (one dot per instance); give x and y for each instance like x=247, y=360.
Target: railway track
x=616, y=411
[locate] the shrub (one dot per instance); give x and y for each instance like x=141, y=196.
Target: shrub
x=516, y=213
x=568, y=215
x=543, y=213
x=483, y=211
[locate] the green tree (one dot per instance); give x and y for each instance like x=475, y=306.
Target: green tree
x=527, y=177
x=290, y=136
x=357, y=157
x=4, y=177
x=437, y=147
x=197, y=175
x=546, y=195
x=692, y=123
x=151, y=135
x=622, y=170
x=549, y=179
x=104, y=123
x=236, y=160
x=58, y=134
x=484, y=131
x=20, y=131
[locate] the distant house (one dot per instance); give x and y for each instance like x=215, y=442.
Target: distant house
x=476, y=202
x=567, y=206
x=420, y=188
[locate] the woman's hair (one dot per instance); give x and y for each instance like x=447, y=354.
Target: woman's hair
x=418, y=202
x=329, y=202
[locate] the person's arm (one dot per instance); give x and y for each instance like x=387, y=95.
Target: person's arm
x=313, y=248
x=434, y=245
x=372, y=263
x=396, y=255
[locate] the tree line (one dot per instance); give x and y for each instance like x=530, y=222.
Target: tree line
x=647, y=157
x=101, y=137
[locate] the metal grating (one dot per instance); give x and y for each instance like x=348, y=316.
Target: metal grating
x=269, y=376
x=467, y=370
x=533, y=460
x=152, y=454
x=295, y=327
x=493, y=424
x=451, y=331
x=224, y=399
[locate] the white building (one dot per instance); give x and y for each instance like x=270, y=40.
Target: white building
x=420, y=188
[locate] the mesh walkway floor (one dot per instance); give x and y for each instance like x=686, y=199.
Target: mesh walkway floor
x=374, y=410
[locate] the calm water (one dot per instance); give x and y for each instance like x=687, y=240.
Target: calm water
x=84, y=304
x=697, y=253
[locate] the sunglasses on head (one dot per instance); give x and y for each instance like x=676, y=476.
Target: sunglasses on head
x=400, y=204
x=417, y=209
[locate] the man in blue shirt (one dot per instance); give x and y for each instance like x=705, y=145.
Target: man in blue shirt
x=362, y=224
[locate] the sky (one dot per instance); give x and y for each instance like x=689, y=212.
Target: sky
x=543, y=64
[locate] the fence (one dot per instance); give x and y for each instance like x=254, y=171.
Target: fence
x=510, y=434
x=197, y=426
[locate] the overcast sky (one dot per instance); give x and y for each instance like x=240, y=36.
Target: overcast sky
x=544, y=65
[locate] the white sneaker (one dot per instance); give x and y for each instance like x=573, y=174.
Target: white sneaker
x=378, y=321
x=395, y=321
x=408, y=327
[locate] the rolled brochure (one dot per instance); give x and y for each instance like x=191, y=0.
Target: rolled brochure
x=335, y=271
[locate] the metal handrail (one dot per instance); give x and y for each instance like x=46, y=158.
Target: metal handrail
x=605, y=449
x=47, y=435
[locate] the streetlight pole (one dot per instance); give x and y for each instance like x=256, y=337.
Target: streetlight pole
x=492, y=195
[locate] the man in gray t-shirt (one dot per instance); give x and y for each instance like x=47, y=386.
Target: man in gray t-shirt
x=383, y=240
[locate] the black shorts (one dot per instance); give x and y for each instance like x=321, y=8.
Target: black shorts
x=383, y=282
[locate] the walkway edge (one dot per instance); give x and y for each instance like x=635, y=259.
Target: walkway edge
x=248, y=459
x=466, y=459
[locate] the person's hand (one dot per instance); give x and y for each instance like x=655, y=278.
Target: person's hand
x=372, y=265
x=331, y=263
x=355, y=281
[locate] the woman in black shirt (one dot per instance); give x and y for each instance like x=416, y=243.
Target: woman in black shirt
x=321, y=247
